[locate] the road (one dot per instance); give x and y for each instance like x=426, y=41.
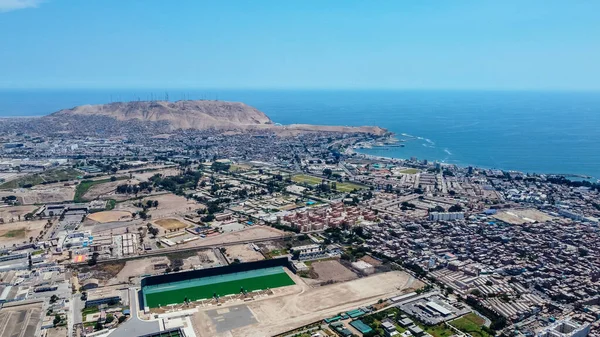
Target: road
x=165, y=251
x=135, y=326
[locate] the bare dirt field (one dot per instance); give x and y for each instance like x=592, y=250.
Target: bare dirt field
x=297, y=305
x=169, y=205
x=110, y=216
x=105, y=190
x=143, y=176
x=170, y=224
x=521, y=216
x=203, y=259
x=371, y=260
x=137, y=268
x=13, y=212
x=42, y=194
x=244, y=253
x=249, y=233
x=332, y=270
x=19, y=232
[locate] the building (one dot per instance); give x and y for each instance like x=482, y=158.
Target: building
x=565, y=328
x=103, y=296
x=364, y=267
x=308, y=252
x=446, y=216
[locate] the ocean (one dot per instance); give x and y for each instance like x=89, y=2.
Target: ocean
x=541, y=132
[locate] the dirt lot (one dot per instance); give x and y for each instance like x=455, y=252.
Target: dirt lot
x=146, y=175
x=169, y=205
x=8, y=213
x=332, y=270
x=203, y=259
x=521, y=216
x=300, y=304
x=41, y=194
x=19, y=232
x=244, y=253
x=249, y=233
x=137, y=268
x=105, y=190
x=110, y=216
x=170, y=224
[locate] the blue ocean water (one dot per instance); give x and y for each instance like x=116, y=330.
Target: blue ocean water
x=543, y=132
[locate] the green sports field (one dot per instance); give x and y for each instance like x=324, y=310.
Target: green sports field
x=206, y=287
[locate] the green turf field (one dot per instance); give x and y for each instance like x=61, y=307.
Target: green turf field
x=206, y=287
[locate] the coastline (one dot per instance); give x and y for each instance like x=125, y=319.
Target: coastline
x=373, y=144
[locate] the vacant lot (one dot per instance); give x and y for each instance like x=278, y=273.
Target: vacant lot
x=110, y=216
x=301, y=304
x=332, y=271
x=409, y=171
x=104, y=189
x=244, y=253
x=8, y=213
x=170, y=224
x=169, y=205
x=20, y=320
x=521, y=216
x=19, y=231
x=246, y=234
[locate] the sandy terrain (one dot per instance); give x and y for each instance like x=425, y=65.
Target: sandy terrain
x=19, y=232
x=521, y=216
x=8, y=213
x=104, y=190
x=249, y=233
x=332, y=270
x=297, y=305
x=204, y=259
x=41, y=194
x=169, y=205
x=110, y=216
x=244, y=253
x=137, y=268
x=171, y=224
x=144, y=176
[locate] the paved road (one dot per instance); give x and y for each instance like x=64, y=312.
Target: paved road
x=135, y=326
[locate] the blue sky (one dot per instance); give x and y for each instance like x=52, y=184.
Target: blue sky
x=308, y=44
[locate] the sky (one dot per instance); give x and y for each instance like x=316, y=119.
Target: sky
x=300, y=44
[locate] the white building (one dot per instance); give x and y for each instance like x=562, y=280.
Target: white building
x=446, y=216
x=565, y=328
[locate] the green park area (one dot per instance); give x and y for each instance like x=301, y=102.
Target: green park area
x=471, y=324
x=410, y=171
x=313, y=181
x=221, y=285
x=47, y=177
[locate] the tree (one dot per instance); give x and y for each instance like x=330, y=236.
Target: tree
x=98, y=326
x=109, y=318
x=53, y=299
x=153, y=231
x=327, y=172
x=56, y=320
x=122, y=319
x=455, y=208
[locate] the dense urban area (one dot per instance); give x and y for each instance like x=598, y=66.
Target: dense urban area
x=92, y=222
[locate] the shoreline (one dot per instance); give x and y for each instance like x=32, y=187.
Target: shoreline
x=373, y=145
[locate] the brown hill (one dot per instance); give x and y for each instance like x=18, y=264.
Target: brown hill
x=180, y=115
x=201, y=115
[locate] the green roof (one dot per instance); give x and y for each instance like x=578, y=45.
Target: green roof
x=360, y=326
